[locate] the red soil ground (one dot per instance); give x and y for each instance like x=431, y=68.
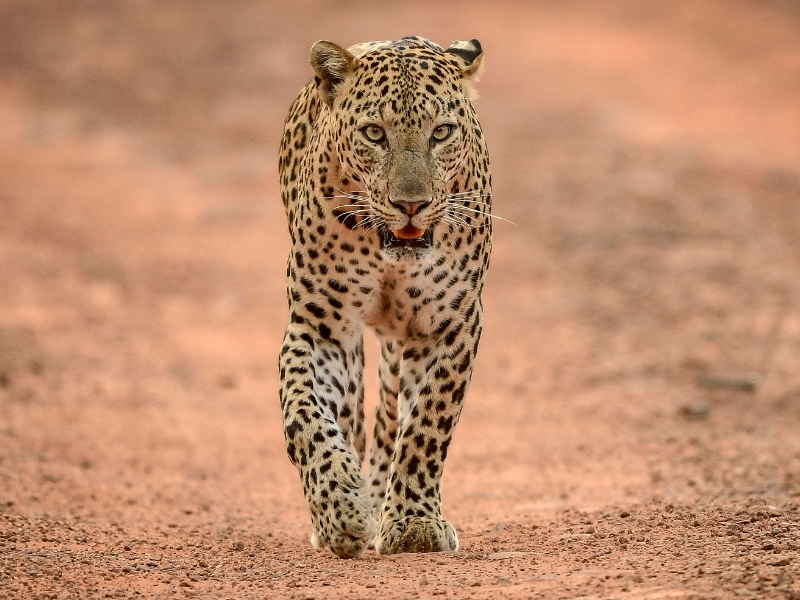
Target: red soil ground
x=633, y=428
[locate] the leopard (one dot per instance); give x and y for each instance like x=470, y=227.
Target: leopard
x=385, y=178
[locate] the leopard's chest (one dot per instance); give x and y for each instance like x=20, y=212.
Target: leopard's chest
x=415, y=299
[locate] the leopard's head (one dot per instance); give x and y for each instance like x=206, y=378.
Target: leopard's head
x=403, y=129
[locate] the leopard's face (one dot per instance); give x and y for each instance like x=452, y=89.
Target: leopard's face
x=404, y=128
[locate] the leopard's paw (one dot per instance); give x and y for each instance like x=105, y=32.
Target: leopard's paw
x=340, y=513
x=416, y=534
x=346, y=539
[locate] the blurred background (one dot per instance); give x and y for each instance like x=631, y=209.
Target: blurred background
x=642, y=334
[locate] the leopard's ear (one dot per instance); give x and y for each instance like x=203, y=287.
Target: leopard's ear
x=470, y=58
x=332, y=64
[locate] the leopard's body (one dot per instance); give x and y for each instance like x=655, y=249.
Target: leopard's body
x=385, y=178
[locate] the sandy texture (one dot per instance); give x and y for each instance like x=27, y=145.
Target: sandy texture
x=633, y=428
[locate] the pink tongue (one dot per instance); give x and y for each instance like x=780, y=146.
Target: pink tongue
x=409, y=232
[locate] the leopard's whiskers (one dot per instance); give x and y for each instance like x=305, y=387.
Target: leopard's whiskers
x=461, y=220
x=460, y=207
x=474, y=193
x=341, y=191
x=354, y=211
x=356, y=198
x=470, y=200
x=453, y=223
x=375, y=226
x=476, y=202
x=368, y=219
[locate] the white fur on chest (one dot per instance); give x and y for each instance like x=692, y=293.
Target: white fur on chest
x=404, y=304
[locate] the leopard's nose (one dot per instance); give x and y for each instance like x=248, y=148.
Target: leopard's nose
x=410, y=208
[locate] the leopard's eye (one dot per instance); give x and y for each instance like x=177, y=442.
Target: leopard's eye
x=442, y=132
x=373, y=133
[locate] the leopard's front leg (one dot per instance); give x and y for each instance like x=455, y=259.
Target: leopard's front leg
x=321, y=398
x=434, y=377
x=385, y=432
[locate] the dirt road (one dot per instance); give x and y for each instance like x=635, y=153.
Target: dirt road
x=633, y=427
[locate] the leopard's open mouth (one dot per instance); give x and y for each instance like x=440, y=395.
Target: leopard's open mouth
x=390, y=240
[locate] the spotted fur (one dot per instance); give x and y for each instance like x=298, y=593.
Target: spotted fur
x=392, y=233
